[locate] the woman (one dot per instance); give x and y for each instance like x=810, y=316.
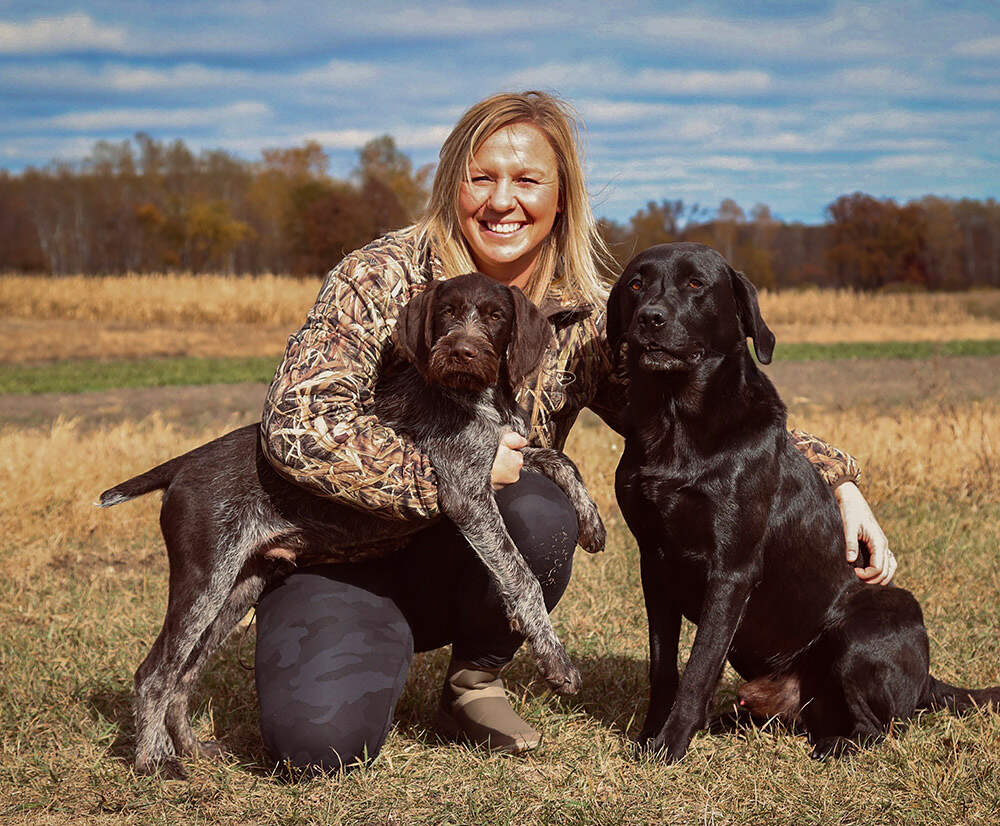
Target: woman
x=335, y=641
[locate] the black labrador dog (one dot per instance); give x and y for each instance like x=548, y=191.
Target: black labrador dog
x=232, y=524
x=739, y=534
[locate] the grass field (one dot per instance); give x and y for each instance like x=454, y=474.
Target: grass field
x=83, y=593
x=52, y=319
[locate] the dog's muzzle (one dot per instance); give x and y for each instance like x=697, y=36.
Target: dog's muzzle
x=464, y=362
x=654, y=346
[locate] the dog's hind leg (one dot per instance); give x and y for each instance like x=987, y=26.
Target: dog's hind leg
x=560, y=469
x=243, y=595
x=202, y=575
x=477, y=517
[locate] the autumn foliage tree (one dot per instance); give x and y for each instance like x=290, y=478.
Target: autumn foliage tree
x=144, y=205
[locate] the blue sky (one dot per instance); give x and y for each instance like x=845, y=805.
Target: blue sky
x=786, y=103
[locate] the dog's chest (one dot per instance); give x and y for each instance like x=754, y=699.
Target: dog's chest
x=665, y=501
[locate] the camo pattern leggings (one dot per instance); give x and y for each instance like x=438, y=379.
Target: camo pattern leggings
x=334, y=642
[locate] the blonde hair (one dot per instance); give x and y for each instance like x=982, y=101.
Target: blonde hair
x=574, y=259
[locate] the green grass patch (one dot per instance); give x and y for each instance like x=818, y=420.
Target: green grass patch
x=84, y=376
x=807, y=351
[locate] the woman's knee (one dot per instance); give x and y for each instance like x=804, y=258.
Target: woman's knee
x=543, y=524
x=332, y=659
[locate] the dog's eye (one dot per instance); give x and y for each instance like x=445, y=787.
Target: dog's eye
x=695, y=284
x=447, y=311
x=635, y=285
x=496, y=315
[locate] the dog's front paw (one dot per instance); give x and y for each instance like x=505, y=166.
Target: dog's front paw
x=592, y=535
x=208, y=750
x=667, y=745
x=835, y=747
x=562, y=676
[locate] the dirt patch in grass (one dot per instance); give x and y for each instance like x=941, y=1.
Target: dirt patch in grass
x=31, y=341
x=805, y=386
x=188, y=407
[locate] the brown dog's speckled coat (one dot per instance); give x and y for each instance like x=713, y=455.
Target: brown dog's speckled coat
x=231, y=523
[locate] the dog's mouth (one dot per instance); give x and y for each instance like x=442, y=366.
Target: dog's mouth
x=661, y=360
x=462, y=379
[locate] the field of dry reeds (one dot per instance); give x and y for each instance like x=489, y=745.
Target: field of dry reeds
x=45, y=319
x=84, y=589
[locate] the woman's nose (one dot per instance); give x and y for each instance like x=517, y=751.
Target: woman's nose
x=501, y=196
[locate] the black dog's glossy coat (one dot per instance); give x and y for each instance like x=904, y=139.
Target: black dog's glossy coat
x=231, y=523
x=739, y=534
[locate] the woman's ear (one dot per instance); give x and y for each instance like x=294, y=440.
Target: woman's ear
x=530, y=338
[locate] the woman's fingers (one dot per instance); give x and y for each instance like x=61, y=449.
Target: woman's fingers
x=508, y=460
x=860, y=526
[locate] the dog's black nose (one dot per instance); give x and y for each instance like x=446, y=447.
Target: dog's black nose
x=465, y=351
x=651, y=317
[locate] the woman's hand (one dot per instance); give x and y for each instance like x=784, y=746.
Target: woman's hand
x=508, y=461
x=860, y=526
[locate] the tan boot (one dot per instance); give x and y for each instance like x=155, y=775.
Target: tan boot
x=474, y=708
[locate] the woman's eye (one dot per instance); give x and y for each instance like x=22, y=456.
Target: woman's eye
x=525, y=180
x=479, y=179
x=635, y=285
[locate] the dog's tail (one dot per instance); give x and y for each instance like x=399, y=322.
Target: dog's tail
x=156, y=478
x=941, y=695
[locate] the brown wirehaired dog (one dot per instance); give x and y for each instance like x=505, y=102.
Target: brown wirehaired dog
x=231, y=523
x=739, y=534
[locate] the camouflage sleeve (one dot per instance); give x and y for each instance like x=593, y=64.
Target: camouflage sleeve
x=835, y=466
x=315, y=429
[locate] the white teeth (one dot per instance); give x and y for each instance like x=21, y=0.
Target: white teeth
x=504, y=229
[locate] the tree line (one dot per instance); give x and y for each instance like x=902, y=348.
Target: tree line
x=143, y=205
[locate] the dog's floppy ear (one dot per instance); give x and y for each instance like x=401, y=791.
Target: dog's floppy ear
x=750, y=319
x=414, y=328
x=529, y=339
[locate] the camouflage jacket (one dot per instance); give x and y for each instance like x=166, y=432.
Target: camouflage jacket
x=317, y=429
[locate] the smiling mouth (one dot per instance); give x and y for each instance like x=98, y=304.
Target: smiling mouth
x=506, y=228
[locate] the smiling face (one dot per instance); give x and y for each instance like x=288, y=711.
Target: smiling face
x=508, y=206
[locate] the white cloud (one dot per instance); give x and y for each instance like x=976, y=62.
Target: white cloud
x=184, y=77
x=69, y=33
x=106, y=120
x=453, y=19
x=880, y=80
x=405, y=137
x=980, y=47
x=843, y=33
x=607, y=75
x=702, y=82
x=935, y=162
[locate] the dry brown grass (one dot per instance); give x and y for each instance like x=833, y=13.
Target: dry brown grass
x=84, y=592
x=845, y=315
x=52, y=474
x=45, y=319
x=25, y=341
x=181, y=300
